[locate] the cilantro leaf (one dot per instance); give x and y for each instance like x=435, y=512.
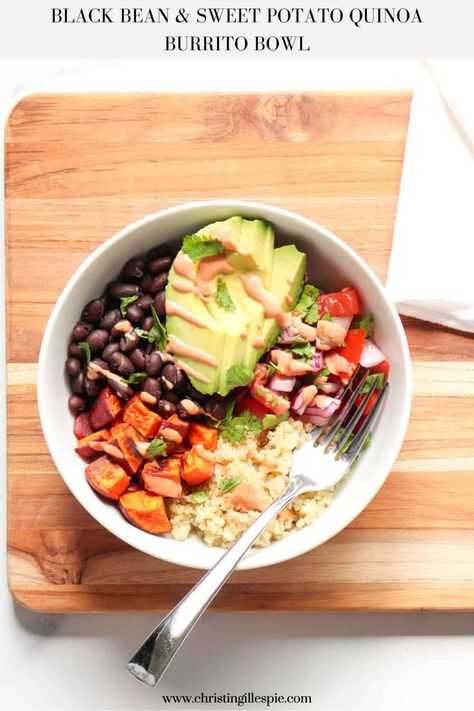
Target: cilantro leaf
x=157, y=448
x=271, y=421
x=135, y=378
x=366, y=444
x=326, y=316
x=126, y=301
x=157, y=334
x=236, y=429
x=378, y=377
x=305, y=350
x=84, y=346
x=227, y=484
x=223, y=297
x=199, y=246
x=142, y=334
x=307, y=305
x=198, y=497
x=367, y=323
x=238, y=375
x=325, y=371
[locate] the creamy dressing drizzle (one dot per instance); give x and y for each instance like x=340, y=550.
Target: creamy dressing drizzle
x=210, y=267
x=288, y=365
x=308, y=332
x=255, y=289
x=201, y=451
x=174, y=309
x=222, y=234
x=180, y=348
x=94, y=369
x=184, y=266
x=184, y=285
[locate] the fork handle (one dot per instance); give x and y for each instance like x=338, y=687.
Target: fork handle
x=152, y=659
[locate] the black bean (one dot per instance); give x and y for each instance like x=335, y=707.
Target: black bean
x=193, y=393
x=159, y=303
x=73, y=366
x=182, y=413
x=109, y=350
x=91, y=387
x=157, y=266
x=77, y=404
x=215, y=409
x=144, y=302
x=120, y=289
x=133, y=269
x=75, y=351
x=138, y=359
x=171, y=397
x=98, y=339
x=162, y=250
x=121, y=389
x=158, y=283
x=93, y=311
x=145, y=283
x=147, y=323
x=173, y=377
x=110, y=318
x=77, y=383
x=81, y=331
x=153, y=363
x=101, y=363
x=129, y=342
x=165, y=408
x=120, y=364
x=135, y=314
x=152, y=386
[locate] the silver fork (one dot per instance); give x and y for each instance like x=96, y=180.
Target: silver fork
x=318, y=465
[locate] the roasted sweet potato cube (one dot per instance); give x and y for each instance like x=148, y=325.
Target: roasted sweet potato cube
x=195, y=468
x=136, y=413
x=84, y=450
x=163, y=477
x=105, y=410
x=203, y=434
x=146, y=511
x=174, y=429
x=127, y=437
x=107, y=477
x=82, y=426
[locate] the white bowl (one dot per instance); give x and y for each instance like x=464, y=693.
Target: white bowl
x=332, y=265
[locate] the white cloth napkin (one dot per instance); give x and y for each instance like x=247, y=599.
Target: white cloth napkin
x=431, y=271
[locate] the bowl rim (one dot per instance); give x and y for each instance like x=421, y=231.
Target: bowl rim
x=247, y=563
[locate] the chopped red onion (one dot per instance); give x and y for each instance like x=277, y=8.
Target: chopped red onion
x=317, y=362
x=371, y=355
x=329, y=388
x=314, y=420
x=284, y=384
x=342, y=321
x=298, y=403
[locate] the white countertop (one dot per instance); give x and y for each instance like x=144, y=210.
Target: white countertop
x=366, y=662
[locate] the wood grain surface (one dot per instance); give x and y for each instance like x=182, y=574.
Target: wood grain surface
x=78, y=168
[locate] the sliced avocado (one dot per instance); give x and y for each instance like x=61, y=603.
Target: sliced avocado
x=249, y=242
x=289, y=267
x=231, y=336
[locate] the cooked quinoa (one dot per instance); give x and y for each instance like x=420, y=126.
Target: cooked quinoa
x=219, y=521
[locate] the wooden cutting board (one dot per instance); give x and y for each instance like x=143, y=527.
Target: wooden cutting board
x=78, y=168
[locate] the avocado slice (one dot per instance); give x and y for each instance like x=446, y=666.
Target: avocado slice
x=232, y=336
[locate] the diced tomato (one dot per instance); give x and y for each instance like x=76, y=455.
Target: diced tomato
x=195, y=469
x=340, y=303
x=372, y=400
x=383, y=367
x=352, y=351
x=256, y=408
x=203, y=434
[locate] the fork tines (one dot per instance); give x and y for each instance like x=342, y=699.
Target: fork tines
x=340, y=427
